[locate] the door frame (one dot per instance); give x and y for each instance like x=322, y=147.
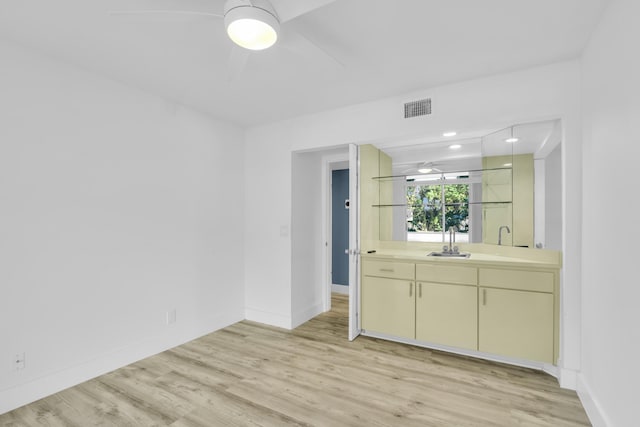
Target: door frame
x=354, y=242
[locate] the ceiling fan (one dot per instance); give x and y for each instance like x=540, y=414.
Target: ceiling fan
x=252, y=25
x=423, y=167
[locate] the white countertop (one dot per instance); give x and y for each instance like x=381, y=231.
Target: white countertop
x=476, y=258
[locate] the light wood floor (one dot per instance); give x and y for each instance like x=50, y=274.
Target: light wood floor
x=251, y=374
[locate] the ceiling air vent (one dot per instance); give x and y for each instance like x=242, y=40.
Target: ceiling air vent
x=417, y=108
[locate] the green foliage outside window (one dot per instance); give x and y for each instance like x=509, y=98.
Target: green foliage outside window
x=424, y=204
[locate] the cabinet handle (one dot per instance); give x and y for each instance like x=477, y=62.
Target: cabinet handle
x=390, y=270
x=420, y=290
x=484, y=297
x=410, y=289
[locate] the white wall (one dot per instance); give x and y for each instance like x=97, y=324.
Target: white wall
x=306, y=237
x=553, y=200
x=116, y=207
x=611, y=291
x=489, y=104
x=267, y=224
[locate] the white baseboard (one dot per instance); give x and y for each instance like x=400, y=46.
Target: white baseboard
x=268, y=318
x=593, y=409
x=303, y=315
x=48, y=384
x=340, y=289
x=540, y=366
x=568, y=378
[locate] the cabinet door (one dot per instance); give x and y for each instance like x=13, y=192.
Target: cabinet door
x=388, y=306
x=516, y=323
x=447, y=314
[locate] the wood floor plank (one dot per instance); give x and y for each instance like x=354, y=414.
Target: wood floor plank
x=250, y=374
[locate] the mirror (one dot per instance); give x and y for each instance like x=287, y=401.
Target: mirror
x=501, y=188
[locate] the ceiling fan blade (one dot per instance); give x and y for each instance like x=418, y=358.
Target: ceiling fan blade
x=237, y=62
x=306, y=48
x=289, y=9
x=164, y=15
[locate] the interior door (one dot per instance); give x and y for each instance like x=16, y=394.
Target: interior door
x=354, y=242
x=340, y=227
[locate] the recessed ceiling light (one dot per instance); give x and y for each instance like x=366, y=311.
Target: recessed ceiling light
x=425, y=170
x=512, y=139
x=506, y=165
x=448, y=134
x=455, y=146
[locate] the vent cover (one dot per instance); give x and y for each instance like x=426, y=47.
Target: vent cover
x=417, y=108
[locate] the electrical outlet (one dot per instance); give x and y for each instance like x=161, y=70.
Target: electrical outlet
x=19, y=361
x=171, y=317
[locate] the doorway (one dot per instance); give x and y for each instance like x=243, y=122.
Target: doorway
x=340, y=231
x=334, y=238
x=344, y=158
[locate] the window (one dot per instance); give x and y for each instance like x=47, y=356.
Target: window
x=434, y=207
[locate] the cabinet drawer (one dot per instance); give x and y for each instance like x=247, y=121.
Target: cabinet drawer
x=390, y=269
x=537, y=281
x=447, y=274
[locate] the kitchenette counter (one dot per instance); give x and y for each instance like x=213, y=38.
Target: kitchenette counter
x=481, y=255
x=476, y=258
x=501, y=303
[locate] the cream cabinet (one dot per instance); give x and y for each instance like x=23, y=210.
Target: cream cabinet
x=447, y=305
x=502, y=311
x=388, y=298
x=388, y=306
x=516, y=314
x=439, y=306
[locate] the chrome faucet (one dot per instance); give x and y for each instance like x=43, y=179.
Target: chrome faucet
x=452, y=239
x=500, y=233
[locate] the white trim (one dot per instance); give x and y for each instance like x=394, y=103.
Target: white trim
x=51, y=383
x=354, y=242
x=306, y=314
x=594, y=411
x=568, y=378
x=540, y=366
x=340, y=289
x=268, y=318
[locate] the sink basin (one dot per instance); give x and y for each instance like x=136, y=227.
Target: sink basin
x=450, y=255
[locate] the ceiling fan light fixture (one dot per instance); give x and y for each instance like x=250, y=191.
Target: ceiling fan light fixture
x=425, y=167
x=250, y=26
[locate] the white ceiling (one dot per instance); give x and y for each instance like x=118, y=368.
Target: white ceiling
x=386, y=48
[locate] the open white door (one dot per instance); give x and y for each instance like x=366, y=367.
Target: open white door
x=354, y=242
